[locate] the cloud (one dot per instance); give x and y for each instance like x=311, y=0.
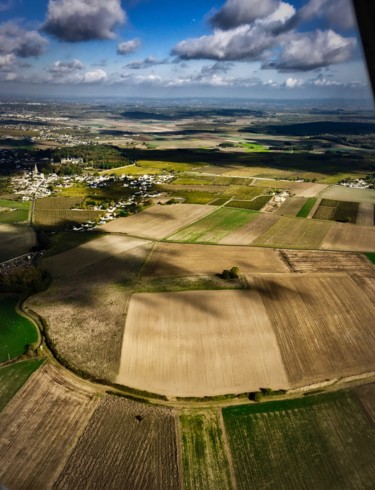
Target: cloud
x=308, y=51
x=6, y=60
x=293, y=82
x=339, y=13
x=242, y=43
x=5, y=5
x=16, y=40
x=239, y=12
x=146, y=63
x=96, y=76
x=127, y=47
x=66, y=66
x=83, y=20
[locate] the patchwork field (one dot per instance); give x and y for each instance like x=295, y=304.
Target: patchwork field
x=196, y=344
x=15, y=241
x=323, y=325
x=173, y=259
x=341, y=193
x=294, y=233
x=250, y=231
x=316, y=261
x=205, y=462
x=45, y=405
x=159, y=221
x=321, y=442
x=366, y=214
x=344, y=236
x=63, y=217
x=124, y=445
x=291, y=206
x=216, y=226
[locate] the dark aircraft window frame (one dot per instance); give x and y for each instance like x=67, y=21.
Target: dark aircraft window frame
x=365, y=13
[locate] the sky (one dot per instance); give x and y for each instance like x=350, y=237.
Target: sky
x=269, y=49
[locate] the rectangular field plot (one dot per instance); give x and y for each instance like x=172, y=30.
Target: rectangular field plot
x=323, y=324
x=319, y=261
x=40, y=427
x=126, y=445
x=159, y=221
x=294, y=233
x=199, y=343
x=249, y=232
x=215, y=227
x=366, y=214
x=341, y=193
x=344, y=236
x=174, y=259
x=205, y=464
x=291, y=206
x=323, y=442
x=63, y=217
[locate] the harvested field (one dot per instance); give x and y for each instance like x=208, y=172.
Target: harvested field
x=88, y=254
x=159, y=221
x=344, y=236
x=249, y=232
x=294, y=233
x=119, y=451
x=15, y=241
x=205, y=463
x=40, y=427
x=196, y=344
x=85, y=311
x=321, y=442
x=216, y=226
x=323, y=324
x=12, y=377
x=365, y=214
x=174, y=259
x=307, y=189
x=291, y=206
x=341, y=193
x=316, y=261
x=366, y=393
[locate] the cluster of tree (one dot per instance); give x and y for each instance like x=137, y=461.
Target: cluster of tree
x=25, y=280
x=257, y=396
x=99, y=156
x=233, y=273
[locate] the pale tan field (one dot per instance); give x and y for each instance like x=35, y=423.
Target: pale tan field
x=40, y=427
x=291, y=206
x=15, y=240
x=323, y=324
x=200, y=343
x=307, y=189
x=340, y=193
x=159, y=221
x=319, y=261
x=248, y=233
x=85, y=311
x=174, y=259
x=88, y=254
x=365, y=215
x=344, y=236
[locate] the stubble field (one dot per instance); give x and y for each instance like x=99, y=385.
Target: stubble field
x=344, y=236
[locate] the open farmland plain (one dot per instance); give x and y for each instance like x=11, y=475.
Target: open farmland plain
x=345, y=236
x=159, y=221
x=291, y=206
x=321, y=442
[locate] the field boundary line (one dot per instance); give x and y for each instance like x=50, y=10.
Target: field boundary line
x=195, y=221
x=227, y=449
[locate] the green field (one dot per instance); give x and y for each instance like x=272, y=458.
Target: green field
x=192, y=181
x=371, y=256
x=319, y=442
x=306, y=208
x=12, y=377
x=16, y=216
x=16, y=331
x=205, y=465
x=212, y=228
x=7, y=203
x=256, y=204
x=294, y=233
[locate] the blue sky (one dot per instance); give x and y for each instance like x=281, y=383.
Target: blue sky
x=162, y=48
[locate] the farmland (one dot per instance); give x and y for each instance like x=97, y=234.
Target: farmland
x=340, y=193
x=159, y=221
x=344, y=211
x=345, y=236
x=220, y=358
x=205, y=463
x=214, y=227
x=15, y=240
x=291, y=206
x=326, y=441
x=16, y=331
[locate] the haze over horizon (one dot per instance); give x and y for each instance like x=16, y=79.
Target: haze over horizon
x=267, y=49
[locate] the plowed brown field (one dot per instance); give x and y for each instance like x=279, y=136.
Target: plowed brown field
x=159, y=221
x=323, y=323
x=365, y=214
x=200, y=343
x=40, y=426
x=344, y=236
x=171, y=259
